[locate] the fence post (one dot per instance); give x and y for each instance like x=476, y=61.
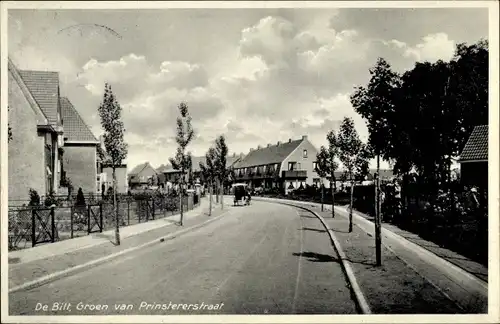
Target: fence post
x=100, y=215
x=139, y=205
x=100, y=218
x=53, y=229
x=88, y=219
x=71, y=220
x=128, y=211
x=33, y=229
x=153, y=206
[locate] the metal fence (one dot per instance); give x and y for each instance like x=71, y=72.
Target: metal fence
x=31, y=226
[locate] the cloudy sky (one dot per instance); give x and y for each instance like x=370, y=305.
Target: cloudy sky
x=257, y=76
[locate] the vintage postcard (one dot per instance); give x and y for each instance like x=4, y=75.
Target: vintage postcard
x=236, y=162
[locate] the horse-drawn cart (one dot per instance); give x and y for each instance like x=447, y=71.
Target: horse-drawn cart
x=240, y=194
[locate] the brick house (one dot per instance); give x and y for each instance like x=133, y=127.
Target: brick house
x=286, y=166
x=80, y=163
x=142, y=176
x=35, y=118
x=474, y=159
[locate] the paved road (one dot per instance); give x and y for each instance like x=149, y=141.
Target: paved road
x=261, y=259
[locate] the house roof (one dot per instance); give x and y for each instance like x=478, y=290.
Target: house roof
x=268, y=155
x=75, y=128
x=138, y=169
x=41, y=117
x=476, y=147
x=44, y=86
x=232, y=159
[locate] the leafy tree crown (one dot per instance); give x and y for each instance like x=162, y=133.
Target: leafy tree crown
x=114, y=130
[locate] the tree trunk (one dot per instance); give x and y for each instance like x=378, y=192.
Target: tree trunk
x=350, y=206
x=217, y=191
x=210, y=203
x=115, y=209
x=222, y=195
x=181, y=194
x=322, y=195
x=378, y=217
x=332, y=188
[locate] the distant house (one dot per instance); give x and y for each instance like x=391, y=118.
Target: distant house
x=121, y=178
x=167, y=176
x=35, y=118
x=474, y=159
x=80, y=150
x=142, y=176
x=105, y=173
x=287, y=166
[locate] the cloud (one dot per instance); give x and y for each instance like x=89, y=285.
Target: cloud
x=433, y=48
x=256, y=76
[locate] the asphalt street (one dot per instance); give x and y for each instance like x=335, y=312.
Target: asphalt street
x=259, y=259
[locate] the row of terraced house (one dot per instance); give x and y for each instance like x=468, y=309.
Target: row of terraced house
x=51, y=145
x=285, y=165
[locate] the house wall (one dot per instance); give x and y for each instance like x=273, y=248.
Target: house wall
x=306, y=163
x=26, y=150
x=474, y=174
x=80, y=164
x=121, y=178
x=146, y=173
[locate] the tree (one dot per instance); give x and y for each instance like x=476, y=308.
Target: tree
x=209, y=172
x=352, y=155
x=221, y=165
x=183, y=160
x=376, y=104
x=327, y=165
x=116, y=148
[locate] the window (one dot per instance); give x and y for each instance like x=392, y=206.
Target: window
x=315, y=166
x=291, y=166
x=304, y=154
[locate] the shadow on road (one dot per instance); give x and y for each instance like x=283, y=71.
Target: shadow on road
x=110, y=238
x=312, y=229
x=316, y=257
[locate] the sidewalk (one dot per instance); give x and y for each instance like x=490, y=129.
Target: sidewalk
x=411, y=279
x=393, y=288
x=34, y=263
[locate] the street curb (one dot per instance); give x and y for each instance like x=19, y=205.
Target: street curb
x=82, y=267
x=346, y=265
x=458, y=274
x=480, y=285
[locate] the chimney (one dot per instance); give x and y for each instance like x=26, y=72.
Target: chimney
x=289, y=140
x=258, y=147
x=279, y=143
x=304, y=137
x=268, y=145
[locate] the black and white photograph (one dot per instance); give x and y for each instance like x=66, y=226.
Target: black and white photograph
x=193, y=160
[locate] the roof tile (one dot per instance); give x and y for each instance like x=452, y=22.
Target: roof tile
x=268, y=155
x=476, y=147
x=75, y=128
x=44, y=87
